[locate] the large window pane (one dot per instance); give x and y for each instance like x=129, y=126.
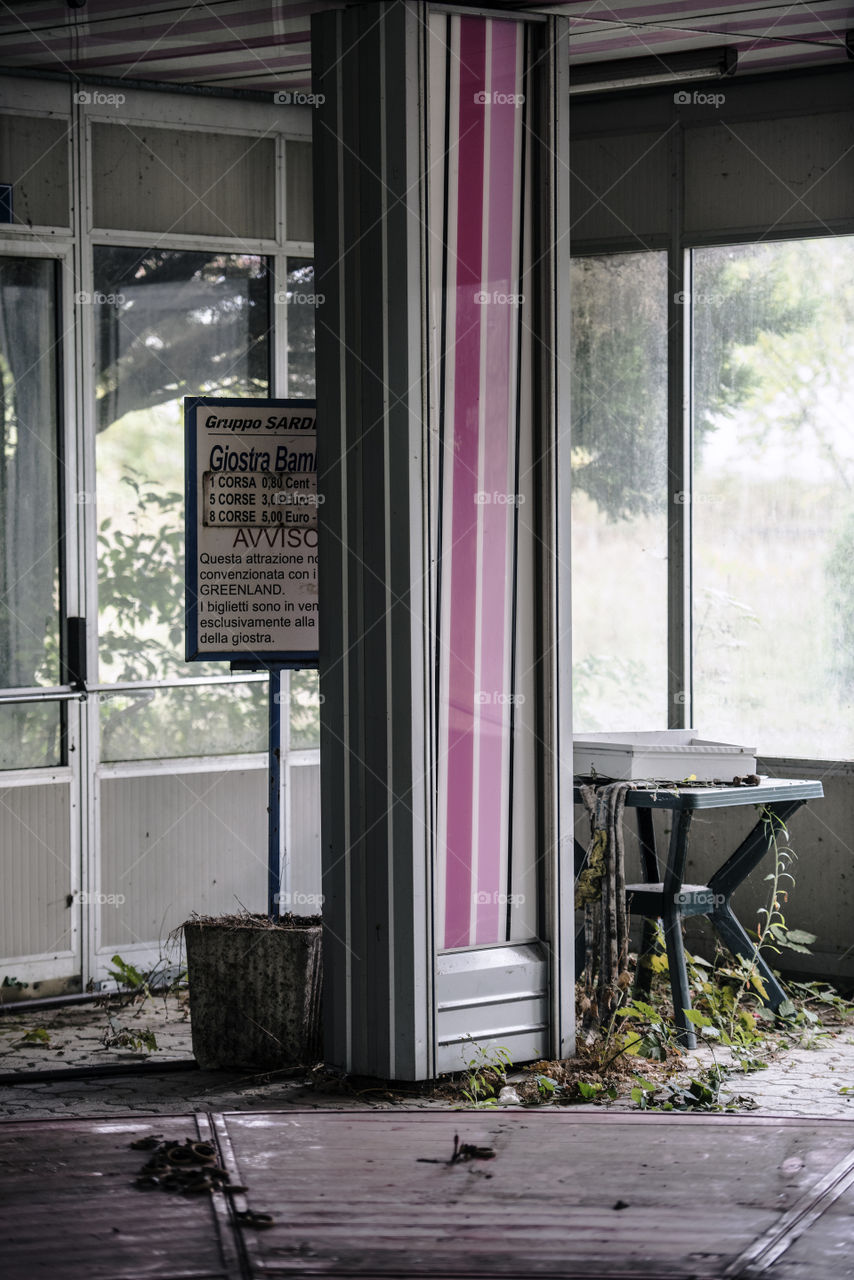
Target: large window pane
x=772, y=509
x=29, y=507
x=197, y=720
x=169, y=324
x=619, y=504
x=302, y=301
x=304, y=710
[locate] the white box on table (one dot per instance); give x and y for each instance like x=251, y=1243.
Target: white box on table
x=667, y=755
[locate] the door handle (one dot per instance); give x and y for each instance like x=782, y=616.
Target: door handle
x=74, y=658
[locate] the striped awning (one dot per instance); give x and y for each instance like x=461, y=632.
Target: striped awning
x=265, y=44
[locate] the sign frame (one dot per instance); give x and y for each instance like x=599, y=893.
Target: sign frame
x=289, y=659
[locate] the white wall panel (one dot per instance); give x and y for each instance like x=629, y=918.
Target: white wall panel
x=303, y=851
x=37, y=913
x=178, y=843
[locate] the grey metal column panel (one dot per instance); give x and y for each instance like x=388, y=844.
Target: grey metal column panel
x=560, y=877
x=368, y=134
x=327, y=41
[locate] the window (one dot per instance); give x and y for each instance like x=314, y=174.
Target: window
x=169, y=323
x=30, y=632
x=619, y=477
x=773, y=514
x=772, y=520
x=713, y=463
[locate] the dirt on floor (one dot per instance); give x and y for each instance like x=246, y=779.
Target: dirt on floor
x=141, y=1049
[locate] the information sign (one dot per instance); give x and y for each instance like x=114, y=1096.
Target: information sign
x=251, y=517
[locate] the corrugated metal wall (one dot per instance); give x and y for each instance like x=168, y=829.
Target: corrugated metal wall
x=37, y=872
x=177, y=843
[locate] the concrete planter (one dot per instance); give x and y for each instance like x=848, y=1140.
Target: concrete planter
x=255, y=993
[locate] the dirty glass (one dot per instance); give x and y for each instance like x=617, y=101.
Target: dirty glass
x=302, y=302
x=29, y=508
x=773, y=518
x=168, y=324
x=154, y=724
x=619, y=499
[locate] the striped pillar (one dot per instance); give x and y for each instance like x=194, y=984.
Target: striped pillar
x=482, y=492
x=441, y=806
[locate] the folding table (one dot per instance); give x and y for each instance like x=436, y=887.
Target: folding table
x=666, y=896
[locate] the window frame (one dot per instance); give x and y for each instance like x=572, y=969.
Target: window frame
x=767, y=98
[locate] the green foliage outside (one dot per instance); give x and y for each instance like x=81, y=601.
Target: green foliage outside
x=215, y=331
x=773, y=527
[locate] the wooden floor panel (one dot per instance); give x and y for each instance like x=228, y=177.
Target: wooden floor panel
x=565, y=1195
x=373, y=1195
x=69, y=1206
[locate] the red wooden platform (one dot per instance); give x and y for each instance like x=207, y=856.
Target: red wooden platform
x=567, y=1194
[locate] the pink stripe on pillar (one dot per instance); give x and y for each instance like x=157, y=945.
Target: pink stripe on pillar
x=499, y=420
x=464, y=441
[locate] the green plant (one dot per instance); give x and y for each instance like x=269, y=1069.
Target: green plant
x=37, y=1035
x=655, y=1034
x=140, y=986
x=126, y=975
x=486, y=1073
x=700, y=1092
x=821, y=993
x=595, y=1091
x=145, y=982
x=772, y=933
x=548, y=1089
x=118, y=1036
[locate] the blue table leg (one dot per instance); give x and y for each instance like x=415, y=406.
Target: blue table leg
x=746, y=858
x=739, y=944
x=671, y=911
x=651, y=874
x=752, y=850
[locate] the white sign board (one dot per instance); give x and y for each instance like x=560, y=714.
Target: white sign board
x=251, y=514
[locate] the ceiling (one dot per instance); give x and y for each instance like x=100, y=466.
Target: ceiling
x=265, y=44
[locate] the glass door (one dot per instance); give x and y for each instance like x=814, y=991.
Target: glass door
x=39, y=710
x=180, y=799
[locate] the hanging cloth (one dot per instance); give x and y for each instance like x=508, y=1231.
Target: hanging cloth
x=601, y=893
